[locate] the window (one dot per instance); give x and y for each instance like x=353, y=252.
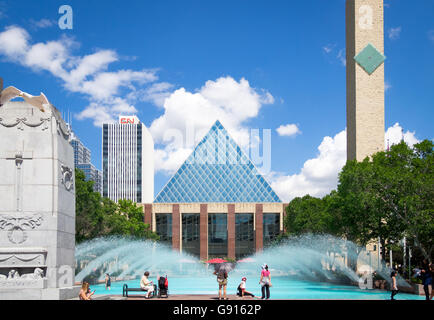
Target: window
x=271, y=227
x=217, y=235
x=191, y=233
x=164, y=227
x=244, y=235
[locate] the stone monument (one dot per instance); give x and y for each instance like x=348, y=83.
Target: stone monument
x=365, y=78
x=37, y=200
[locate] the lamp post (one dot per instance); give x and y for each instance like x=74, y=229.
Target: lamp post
x=405, y=254
x=378, y=253
x=390, y=255
x=409, y=262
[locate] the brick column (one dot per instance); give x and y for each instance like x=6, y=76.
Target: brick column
x=259, y=227
x=231, y=231
x=203, y=232
x=176, y=228
x=148, y=214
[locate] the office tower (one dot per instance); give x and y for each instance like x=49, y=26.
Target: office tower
x=128, y=161
x=82, y=161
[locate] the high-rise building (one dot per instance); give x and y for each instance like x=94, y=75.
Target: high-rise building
x=92, y=174
x=81, y=153
x=128, y=161
x=82, y=161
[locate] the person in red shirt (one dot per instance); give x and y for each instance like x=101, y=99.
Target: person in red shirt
x=265, y=282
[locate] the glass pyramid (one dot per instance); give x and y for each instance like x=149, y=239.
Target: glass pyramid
x=217, y=171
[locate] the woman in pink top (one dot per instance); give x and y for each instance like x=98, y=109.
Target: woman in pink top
x=265, y=282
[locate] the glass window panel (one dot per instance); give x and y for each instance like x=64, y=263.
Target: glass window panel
x=199, y=180
x=244, y=235
x=164, y=227
x=191, y=233
x=217, y=235
x=271, y=227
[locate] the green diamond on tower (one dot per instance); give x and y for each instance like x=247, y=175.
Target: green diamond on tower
x=370, y=59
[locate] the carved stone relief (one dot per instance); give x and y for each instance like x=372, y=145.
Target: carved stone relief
x=16, y=226
x=67, y=177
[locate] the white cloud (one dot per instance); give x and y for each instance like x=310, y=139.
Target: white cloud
x=13, y=42
x=319, y=175
x=342, y=57
x=98, y=113
x=329, y=48
x=108, y=91
x=156, y=93
x=395, y=134
x=193, y=113
x=48, y=56
x=107, y=84
x=387, y=85
x=89, y=65
x=169, y=160
x=394, y=33
x=42, y=24
x=288, y=130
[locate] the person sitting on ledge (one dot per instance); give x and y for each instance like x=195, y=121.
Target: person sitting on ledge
x=85, y=293
x=242, y=289
x=147, y=284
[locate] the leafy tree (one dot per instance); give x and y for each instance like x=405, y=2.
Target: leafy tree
x=307, y=215
x=88, y=214
x=405, y=187
x=389, y=197
x=97, y=216
x=128, y=219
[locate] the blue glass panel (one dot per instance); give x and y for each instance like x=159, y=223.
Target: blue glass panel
x=204, y=177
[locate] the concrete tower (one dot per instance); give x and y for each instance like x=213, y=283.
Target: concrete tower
x=365, y=78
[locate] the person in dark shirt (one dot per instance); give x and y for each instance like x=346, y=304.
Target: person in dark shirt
x=426, y=278
x=108, y=281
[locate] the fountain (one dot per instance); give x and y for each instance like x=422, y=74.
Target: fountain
x=124, y=257
x=306, y=265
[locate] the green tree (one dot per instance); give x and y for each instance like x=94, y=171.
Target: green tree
x=405, y=187
x=307, y=215
x=389, y=197
x=88, y=214
x=128, y=219
x=97, y=216
x=361, y=213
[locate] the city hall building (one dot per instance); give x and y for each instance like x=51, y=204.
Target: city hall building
x=217, y=204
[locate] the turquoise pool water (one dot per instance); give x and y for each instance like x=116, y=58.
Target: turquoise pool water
x=283, y=288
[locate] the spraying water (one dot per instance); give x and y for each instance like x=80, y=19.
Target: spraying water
x=309, y=257
x=124, y=257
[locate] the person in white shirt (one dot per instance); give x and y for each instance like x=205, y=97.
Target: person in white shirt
x=147, y=284
x=242, y=289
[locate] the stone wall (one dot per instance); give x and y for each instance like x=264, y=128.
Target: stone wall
x=37, y=204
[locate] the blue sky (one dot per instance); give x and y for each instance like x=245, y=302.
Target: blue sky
x=256, y=64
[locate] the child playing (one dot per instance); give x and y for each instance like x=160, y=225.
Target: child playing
x=242, y=289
